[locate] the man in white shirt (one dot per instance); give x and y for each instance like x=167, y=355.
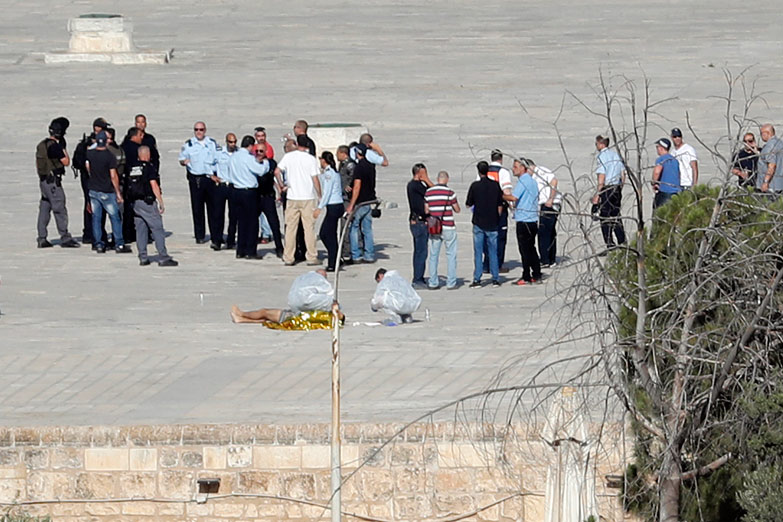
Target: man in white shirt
x=549, y=200
x=686, y=157
x=302, y=190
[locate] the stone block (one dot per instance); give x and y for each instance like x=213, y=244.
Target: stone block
x=64, y=510
x=451, y=503
x=36, y=458
x=206, y=434
x=349, y=455
x=299, y=485
x=169, y=458
x=12, y=490
x=535, y=508
x=447, y=480
x=106, y=459
x=373, y=456
x=191, y=459
x=414, y=507
x=94, y=485
x=66, y=458
x=258, y=482
x=143, y=459
x=377, y=485
x=179, y=485
x=383, y=511
x=410, y=480
x=488, y=513
x=317, y=457
x=285, y=434
x=314, y=433
x=406, y=454
x=26, y=437
x=465, y=455
x=138, y=508
x=214, y=457
x=228, y=479
x=173, y=509
x=277, y=457
x=227, y=510
x=137, y=485
x=43, y=485
x=103, y=509
x=9, y=457
x=12, y=473
x=6, y=436
x=239, y=456
x=293, y=511
x=199, y=510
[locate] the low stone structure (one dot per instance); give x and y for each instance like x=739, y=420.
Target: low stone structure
x=424, y=472
x=329, y=136
x=103, y=38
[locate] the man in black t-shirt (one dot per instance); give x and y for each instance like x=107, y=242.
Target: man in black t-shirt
x=51, y=158
x=417, y=219
x=486, y=198
x=105, y=195
x=363, y=191
x=267, y=200
x=147, y=201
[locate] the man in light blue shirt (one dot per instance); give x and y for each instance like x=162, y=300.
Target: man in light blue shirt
x=199, y=156
x=375, y=154
x=525, y=198
x=224, y=191
x=609, y=193
x=244, y=169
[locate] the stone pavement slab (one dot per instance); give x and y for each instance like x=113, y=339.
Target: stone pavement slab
x=87, y=339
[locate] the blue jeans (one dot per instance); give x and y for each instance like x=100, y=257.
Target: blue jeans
x=420, y=235
x=448, y=236
x=107, y=201
x=480, y=238
x=362, y=220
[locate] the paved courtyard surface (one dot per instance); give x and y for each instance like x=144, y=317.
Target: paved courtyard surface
x=88, y=339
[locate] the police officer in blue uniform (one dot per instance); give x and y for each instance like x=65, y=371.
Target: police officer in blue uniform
x=199, y=155
x=225, y=190
x=244, y=171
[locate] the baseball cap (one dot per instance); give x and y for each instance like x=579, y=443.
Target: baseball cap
x=100, y=139
x=361, y=148
x=665, y=143
x=676, y=133
x=101, y=123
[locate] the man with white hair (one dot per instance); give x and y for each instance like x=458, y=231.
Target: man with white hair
x=441, y=202
x=770, y=164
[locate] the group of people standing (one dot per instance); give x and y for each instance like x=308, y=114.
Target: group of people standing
x=245, y=176
x=534, y=203
x=121, y=181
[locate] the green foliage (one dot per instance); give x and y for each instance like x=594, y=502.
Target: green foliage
x=762, y=495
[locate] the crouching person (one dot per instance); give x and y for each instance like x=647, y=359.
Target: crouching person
x=144, y=193
x=395, y=296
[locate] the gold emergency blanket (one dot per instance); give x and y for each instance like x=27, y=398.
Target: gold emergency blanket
x=315, y=320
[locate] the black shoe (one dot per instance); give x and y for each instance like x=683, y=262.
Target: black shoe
x=201, y=241
x=230, y=246
x=368, y=261
x=475, y=284
x=110, y=243
x=279, y=253
x=100, y=249
x=144, y=262
x=255, y=257
x=44, y=244
x=330, y=269
x=124, y=249
x=347, y=262
x=495, y=284
x=71, y=243
x=215, y=246
x=167, y=262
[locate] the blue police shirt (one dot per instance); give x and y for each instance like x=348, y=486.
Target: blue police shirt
x=202, y=154
x=670, y=175
x=611, y=166
x=243, y=169
x=372, y=156
x=331, y=187
x=224, y=156
x=526, y=192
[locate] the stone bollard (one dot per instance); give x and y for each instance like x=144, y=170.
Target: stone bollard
x=104, y=38
x=329, y=136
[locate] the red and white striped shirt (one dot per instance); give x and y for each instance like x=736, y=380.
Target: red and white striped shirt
x=441, y=200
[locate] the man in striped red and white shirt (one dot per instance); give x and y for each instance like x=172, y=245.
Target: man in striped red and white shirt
x=441, y=202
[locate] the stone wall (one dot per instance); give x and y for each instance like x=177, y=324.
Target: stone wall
x=145, y=473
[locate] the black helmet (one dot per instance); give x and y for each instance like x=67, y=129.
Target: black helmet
x=59, y=126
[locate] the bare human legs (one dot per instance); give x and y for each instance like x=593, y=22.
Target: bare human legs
x=256, y=316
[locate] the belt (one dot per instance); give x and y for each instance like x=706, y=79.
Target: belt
x=241, y=188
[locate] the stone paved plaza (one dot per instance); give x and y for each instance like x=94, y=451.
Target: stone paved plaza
x=88, y=339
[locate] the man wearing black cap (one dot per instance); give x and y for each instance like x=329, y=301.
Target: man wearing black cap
x=105, y=195
x=686, y=157
x=51, y=158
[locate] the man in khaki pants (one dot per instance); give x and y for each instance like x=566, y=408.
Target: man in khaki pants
x=302, y=191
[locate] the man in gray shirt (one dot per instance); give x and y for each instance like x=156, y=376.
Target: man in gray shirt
x=770, y=164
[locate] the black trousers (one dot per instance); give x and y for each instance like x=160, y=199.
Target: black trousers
x=526, y=240
x=547, y=234
x=200, y=199
x=247, y=221
x=609, y=202
x=328, y=231
x=233, y=217
x=219, y=195
x=502, y=241
x=267, y=206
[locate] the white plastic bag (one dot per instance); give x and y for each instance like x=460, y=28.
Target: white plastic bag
x=395, y=295
x=310, y=291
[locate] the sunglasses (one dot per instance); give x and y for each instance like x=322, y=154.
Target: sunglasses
x=199, y=129
x=749, y=141
x=229, y=141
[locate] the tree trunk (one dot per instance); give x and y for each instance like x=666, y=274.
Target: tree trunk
x=669, y=488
